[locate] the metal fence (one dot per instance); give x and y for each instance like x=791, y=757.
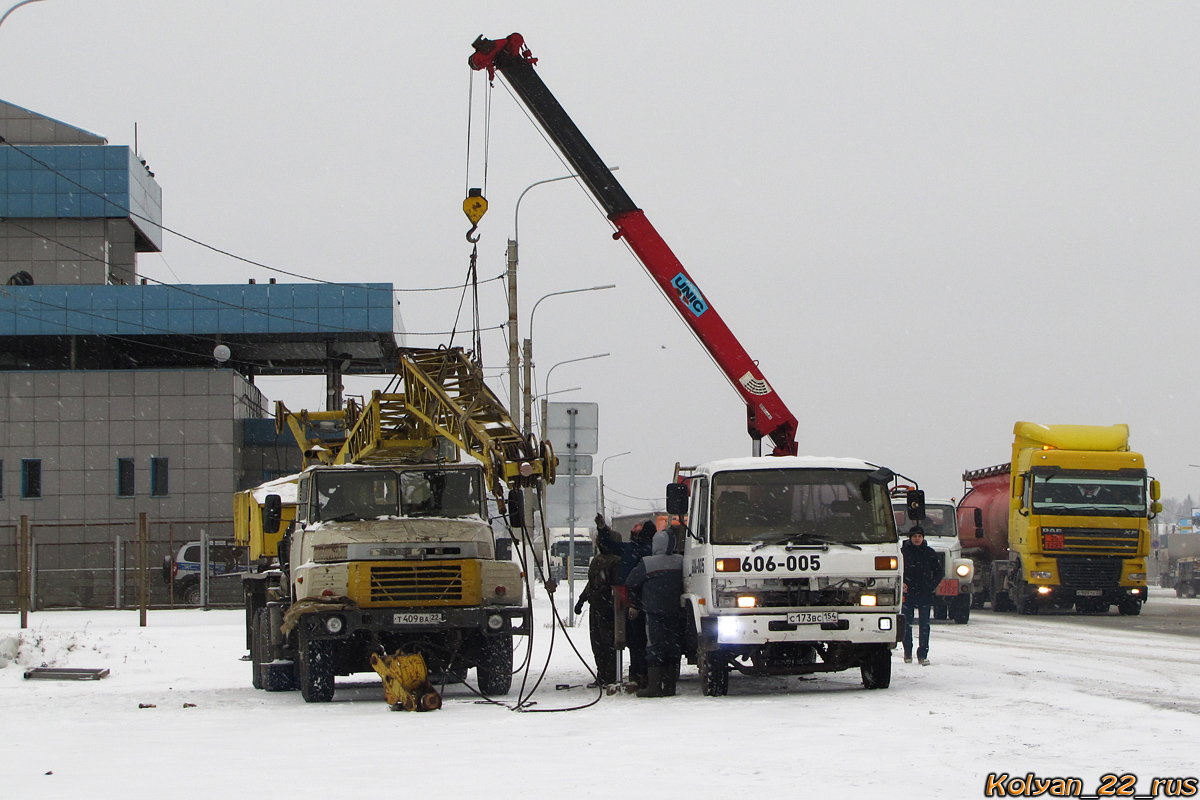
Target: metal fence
x=105, y=565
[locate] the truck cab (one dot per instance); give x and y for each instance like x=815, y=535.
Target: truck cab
x=953, y=597
x=791, y=567
x=388, y=559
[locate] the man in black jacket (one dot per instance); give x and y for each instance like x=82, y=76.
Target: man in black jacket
x=602, y=575
x=922, y=573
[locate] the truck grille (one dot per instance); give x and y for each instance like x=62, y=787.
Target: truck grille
x=1099, y=541
x=417, y=583
x=1077, y=572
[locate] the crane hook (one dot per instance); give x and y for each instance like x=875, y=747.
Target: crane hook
x=475, y=206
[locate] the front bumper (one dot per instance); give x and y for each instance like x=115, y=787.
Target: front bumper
x=514, y=619
x=873, y=628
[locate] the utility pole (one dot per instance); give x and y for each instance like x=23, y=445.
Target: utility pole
x=514, y=358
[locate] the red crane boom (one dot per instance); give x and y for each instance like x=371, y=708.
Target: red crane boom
x=766, y=413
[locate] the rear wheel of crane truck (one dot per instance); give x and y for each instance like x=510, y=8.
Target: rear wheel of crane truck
x=273, y=675
x=316, y=670
x=713, y=666
x=876, y=667
x=494, y=670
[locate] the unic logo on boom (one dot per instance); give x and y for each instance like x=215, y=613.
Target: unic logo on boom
x=758, y=386
x=689, y=294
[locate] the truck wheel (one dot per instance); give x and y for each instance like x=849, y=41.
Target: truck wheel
x=876, y=668
x=714, y=673
x=1129, y=608
x=256, y=652
x=940, y=611
x=960, y=612
x=316, y=671
x=494, y=671
x=273, y=676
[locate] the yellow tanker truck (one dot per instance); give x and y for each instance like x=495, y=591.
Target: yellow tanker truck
x=1065, y=523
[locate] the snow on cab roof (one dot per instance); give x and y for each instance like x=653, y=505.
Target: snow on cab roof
x=286, y=487
x=786, y=462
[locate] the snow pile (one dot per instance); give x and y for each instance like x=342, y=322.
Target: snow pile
x=46, y=647
x=9, y=646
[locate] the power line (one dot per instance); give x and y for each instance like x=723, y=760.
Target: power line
x=213, y=248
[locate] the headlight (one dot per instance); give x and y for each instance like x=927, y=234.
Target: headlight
x=962, y=570
x=1040, y=576
x=885, y=623
x=495, y=622
x=747, y=601
x=866, y=600
x=1137, y=576
x=1043, y=590
x=334, y=624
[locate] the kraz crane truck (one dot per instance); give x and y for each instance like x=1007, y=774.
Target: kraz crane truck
x=1065, y=523
x=391, y=550
x=791, y=564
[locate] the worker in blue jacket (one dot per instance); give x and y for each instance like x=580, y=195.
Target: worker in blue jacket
x=657, y=581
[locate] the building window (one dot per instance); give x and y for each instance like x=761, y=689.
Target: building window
x=159, y=483
x=31, y=478
x=125, y=485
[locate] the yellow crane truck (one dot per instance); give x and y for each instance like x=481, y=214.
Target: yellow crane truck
x=1065, y=523
x=389, y=549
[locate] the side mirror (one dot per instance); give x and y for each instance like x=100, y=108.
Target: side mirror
x=1155, y=491
x=677, y=499
x=516, y=508
x=272, y=513
x=978, y=522
x=1155, y=508
x=915, y=501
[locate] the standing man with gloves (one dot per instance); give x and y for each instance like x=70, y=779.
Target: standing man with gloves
x=658, y=580
x=602, y=575
x=922, y=573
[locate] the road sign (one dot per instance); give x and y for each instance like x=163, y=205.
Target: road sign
x=586, y=426
x=558, y=501
x=579, y=465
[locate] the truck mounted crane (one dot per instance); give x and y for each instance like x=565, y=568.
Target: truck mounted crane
x=766, y=413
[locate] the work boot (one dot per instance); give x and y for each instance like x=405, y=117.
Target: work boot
x=654, y=685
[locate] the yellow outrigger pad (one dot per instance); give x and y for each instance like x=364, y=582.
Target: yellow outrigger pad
x=406, y=682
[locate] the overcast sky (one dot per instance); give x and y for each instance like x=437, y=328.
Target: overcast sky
x=925, y=220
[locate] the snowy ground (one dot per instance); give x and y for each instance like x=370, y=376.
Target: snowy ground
x=1004, y=694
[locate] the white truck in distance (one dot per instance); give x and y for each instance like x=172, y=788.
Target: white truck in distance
x=953, y=597
x=791, y=566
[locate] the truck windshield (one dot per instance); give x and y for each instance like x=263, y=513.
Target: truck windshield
x=939, y=521
x=782, y=505
x=350, y=495
x=1090, y=495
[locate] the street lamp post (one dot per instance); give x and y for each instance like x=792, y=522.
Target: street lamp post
x=602, y=463
x=514, y=360
x=15, y=7
x=571, y=488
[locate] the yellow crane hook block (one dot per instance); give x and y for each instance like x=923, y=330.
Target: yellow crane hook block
x=406, y=682
x=475, y=206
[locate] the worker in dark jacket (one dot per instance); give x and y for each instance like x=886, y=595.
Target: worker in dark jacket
x=602, y=575
x=640, y=545
x=658, y=583
x=922, y=573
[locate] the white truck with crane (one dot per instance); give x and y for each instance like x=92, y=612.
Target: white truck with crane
x=391, y=551
x=792, y=565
